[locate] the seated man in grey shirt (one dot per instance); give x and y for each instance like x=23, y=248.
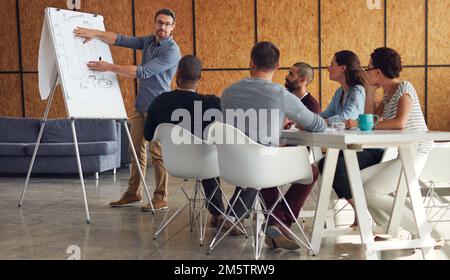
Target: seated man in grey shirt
x=270, y=103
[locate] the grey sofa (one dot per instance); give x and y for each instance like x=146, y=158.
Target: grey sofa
x=99, y=143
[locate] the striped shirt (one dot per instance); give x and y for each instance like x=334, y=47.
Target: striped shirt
x=415, y=121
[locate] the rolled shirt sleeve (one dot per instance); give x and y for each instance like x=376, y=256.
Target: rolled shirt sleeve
x=297, y=111
x=167, y=59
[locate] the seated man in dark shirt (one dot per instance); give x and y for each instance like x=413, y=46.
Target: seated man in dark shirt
x=299, y=77
x=165, y=109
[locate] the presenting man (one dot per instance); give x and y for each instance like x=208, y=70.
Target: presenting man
x=160, y=56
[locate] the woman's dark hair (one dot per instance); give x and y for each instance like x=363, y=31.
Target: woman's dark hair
x=388, y=61
x=354, y=74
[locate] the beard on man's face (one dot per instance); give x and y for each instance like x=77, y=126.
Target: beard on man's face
x=291, y=85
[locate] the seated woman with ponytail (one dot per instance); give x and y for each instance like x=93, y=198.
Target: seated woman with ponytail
x=347, y=104
x=348, y=100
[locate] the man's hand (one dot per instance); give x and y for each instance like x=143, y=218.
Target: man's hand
x=288, y=124
x=85, y=33
x=299, y=127
x=100, y=66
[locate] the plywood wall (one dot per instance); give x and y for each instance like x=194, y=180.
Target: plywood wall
x=10, y=98
x=222, y=33
x=225, y=32
x=293, y=26
x=439, y=99
x=412, y=14
x=350, y=25
x=35, y=107
x=214, y=82
x=9, y=54
x=439, y=32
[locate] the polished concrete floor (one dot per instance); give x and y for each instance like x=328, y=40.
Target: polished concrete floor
x=52, y=222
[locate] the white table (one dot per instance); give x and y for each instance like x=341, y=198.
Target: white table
x=351, y=141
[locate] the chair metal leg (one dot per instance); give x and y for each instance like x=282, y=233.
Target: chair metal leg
x=197, y=213
x=165, y=222
x=217, y=238
x=231, y=209
x=307, y=243
x=199, y=203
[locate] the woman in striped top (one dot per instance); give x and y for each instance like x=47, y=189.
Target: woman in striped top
x=400, y=110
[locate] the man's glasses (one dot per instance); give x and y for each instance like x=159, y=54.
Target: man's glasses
x=165, y=24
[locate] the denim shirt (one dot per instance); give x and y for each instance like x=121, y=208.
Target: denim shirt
x=159, y=64
x=353, y=105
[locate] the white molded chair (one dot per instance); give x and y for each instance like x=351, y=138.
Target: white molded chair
x=245, y=163
x=189, y=157
x=436, y=175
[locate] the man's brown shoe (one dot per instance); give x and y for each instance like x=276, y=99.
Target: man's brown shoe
x=158, y=205
x=216, y=220
x=275, y=238
x=126, y=200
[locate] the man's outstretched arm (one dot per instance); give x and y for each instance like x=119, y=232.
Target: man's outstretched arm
x=88, y=34
x=129, y=71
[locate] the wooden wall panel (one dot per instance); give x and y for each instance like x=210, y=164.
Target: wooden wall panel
x=406, y=29
x=183, y=34
x=350, y=25
x=31, y=19
x=214, y=82
x=313, y=88
x=9, y=54
x=293, y=26
x=438, y=99
x=439, y=32
x=34, y=106
x=417, y=77
x=10, y=96
x=225, y=32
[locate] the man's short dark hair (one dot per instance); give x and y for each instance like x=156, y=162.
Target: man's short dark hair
x=189, y=69
x=167, y=12
x=265, y=55
x=305, y=71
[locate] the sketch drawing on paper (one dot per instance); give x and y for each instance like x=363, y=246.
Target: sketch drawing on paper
x=79, y=55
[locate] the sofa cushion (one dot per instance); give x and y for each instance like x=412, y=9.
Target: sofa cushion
x=68, y=149
x=88, y=130
x=13, y=149
x=19, y=130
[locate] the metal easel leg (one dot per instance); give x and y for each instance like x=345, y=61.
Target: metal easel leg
x=36, y=146
x=80, y=170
